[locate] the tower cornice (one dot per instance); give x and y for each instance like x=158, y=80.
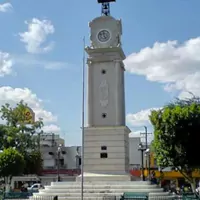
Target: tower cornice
x=113, y=53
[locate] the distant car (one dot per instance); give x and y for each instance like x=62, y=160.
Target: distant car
x=35, y=187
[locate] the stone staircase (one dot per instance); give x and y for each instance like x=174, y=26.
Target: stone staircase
x=98, y=190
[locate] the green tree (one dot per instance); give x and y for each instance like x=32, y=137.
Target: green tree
x=11, y=164
x=177, y=135
x=33, y=163
x=19, y=133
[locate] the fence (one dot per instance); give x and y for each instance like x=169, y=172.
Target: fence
x=24, y=196
x=145, y=196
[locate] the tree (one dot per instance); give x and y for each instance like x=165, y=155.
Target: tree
x=177, y=136
x=33, y=163
x=11, y=164
x=21, y=132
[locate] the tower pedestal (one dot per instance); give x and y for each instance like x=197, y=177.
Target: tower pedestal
x=106, y=154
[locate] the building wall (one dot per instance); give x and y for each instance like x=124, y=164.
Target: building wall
x=51, y=140
x=49, y=144
x=71, y=157
x=134, y=154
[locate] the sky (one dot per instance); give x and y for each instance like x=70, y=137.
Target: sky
x=41, y=48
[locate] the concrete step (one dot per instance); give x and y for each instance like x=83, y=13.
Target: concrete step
x=100, y=190
x=77, y=194
x=155, y=194
x=161, y=198
x=91, y=193
x=64, y=187
x=110, y=197
x=63, y=192
x=103, y=183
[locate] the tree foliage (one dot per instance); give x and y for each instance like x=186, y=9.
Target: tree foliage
x=177, y=135
x=16, y=133
x=11, y=163
x=33, y=162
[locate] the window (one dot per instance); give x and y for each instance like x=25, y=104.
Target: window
x=104, y=115
x=103, y=147
x=61, y=162
x=103, y=155
x=79, y=161
x=103, y=71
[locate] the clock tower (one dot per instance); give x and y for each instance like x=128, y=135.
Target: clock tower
x=106, y=137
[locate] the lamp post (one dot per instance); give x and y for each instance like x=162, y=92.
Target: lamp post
x=59, y=150
x=142, y=149
x=148, y=156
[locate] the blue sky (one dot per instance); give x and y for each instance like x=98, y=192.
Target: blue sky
x=160, y=38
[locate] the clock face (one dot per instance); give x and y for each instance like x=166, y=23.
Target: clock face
x=103, y=36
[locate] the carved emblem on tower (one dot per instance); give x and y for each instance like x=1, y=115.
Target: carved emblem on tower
x=103, y=93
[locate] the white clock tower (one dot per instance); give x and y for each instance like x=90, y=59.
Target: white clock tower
x=106, y=143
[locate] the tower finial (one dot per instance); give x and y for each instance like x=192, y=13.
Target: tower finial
x=105, y=10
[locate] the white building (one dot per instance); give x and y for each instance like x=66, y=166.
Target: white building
x=68, y=156
x=51, y=140
x=134, y=154
x=49, y=144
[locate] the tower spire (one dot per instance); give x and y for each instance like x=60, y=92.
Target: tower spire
x=105, y=9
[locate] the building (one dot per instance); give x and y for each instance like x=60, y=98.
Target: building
x=134, y=154
x=51, y=140
x=55, y=154
x=58, y=159
x=49, y=144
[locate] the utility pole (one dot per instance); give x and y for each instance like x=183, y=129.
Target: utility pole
x=146, y=141
x=83, y=122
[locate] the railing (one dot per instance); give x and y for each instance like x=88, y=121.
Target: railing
x=16, y=195
x=145, y=196
x=23, y=196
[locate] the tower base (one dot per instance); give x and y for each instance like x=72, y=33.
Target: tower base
x=106, y=151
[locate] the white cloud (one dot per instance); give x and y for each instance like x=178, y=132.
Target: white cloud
x=36, y=36
x=8, y=61
x=5, y=64
x=139, y=119
x=52, y=128
x=32, y=60
x=176, y=65
x=14, y=95
x=5, y=7
x=135, y=133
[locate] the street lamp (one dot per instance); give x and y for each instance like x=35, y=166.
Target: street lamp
x=59, y=150
x=142, y=149
x=78, y=158
x=57, y=156
x=148, y=157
